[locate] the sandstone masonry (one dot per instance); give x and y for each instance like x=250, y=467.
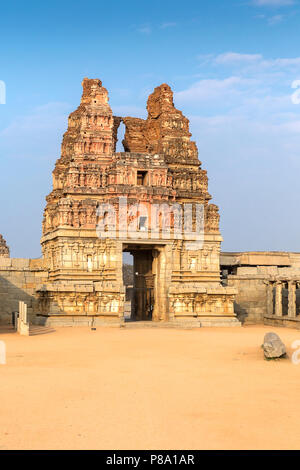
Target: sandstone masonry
x=268, y=286
x=159, y=166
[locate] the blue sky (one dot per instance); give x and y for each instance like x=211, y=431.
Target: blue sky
x=231, y=65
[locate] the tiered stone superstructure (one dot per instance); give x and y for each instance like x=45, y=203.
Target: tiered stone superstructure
x=159, y=168
x=4, y=250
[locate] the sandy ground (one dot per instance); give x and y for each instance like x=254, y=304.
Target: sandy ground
x=116, y=388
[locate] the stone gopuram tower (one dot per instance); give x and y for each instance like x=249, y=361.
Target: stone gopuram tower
x=151, y=200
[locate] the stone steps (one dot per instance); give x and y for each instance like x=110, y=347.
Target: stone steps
x=189, y=324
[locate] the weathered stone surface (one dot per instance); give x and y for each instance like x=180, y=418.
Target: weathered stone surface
x=4, y=250
x=268, y=286
x=165, y=131
x=159, y=167
x=273, y=346
x=18, y=282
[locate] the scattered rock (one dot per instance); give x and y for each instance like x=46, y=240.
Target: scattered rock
x=273, y=347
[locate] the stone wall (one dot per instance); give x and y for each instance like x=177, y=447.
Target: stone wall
x=19, y=279
x=255, y=276
x=250, y=301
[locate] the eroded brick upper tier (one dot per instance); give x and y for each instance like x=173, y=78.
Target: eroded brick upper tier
x=165, y=130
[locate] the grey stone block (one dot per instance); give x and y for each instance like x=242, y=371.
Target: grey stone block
x=273, y=346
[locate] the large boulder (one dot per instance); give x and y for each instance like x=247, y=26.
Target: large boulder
x=273, y=346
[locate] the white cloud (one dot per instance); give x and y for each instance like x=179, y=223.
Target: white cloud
x=255, y=85
x=252, y=63
x=145, y=30
x=275, y=19
x=252, y=163
x=248, y=133
x=273, y=3
x=40, y=129
x=234, y=57
x=213, y=89
x=284, y=62
x=169, y=24
x=29, y=147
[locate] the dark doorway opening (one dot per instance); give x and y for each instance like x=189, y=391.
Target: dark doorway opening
x=142, y=292
x=127, y=269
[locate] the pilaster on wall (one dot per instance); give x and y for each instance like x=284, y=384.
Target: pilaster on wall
x=278, y=298
x=162, y=268
x=292, y=299
x=278, y=316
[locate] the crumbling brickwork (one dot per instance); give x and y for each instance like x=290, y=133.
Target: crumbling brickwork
x=165, y=131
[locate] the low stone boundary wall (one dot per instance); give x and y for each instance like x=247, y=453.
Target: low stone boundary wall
x=268, y=286
x=19, y=279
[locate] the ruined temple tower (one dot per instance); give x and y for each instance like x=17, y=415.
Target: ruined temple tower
x=4, y=250
x=99, y=195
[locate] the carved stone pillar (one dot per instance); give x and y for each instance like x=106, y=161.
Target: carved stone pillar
x=270, y=299
x=162, y=293
x=292, y=299
x=278, y=299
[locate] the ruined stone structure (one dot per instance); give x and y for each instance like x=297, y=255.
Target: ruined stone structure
x=105, y=203
x=19, y=280
x=268, y=286
x=160, y=166
x=4, y=250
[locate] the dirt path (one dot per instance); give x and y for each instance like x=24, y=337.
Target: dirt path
x=154, y=389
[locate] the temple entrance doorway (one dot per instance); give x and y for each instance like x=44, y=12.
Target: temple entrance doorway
x=143, y=285
x=142, y=293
